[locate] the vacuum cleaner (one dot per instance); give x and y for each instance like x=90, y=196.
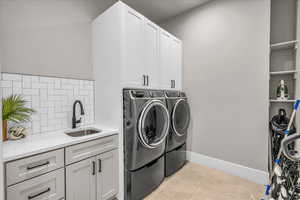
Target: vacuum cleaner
x=278, y=125
x=284, y=181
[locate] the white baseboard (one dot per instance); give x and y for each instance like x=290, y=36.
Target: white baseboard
x=254, y=175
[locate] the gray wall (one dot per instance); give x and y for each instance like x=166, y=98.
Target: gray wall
x=48, y=37
x=226, y=48
x=1, y=150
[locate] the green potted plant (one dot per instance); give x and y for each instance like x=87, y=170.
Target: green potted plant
x=14, y=110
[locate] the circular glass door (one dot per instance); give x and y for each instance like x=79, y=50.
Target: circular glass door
x=181, y=117
x=154, y=124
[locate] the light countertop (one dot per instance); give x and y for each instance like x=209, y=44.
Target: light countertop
x=35, y=144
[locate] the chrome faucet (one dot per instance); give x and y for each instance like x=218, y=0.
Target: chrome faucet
x=74, y=120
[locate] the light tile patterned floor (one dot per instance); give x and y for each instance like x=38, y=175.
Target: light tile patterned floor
x=195, y=182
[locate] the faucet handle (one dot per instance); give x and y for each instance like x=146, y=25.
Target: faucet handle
x=82, y=119
x=79, y=120
x=78, y=123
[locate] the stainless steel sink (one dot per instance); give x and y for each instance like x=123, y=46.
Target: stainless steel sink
x=83, y=132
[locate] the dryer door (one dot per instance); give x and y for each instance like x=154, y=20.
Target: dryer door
x=153, y=124
x=181, y=117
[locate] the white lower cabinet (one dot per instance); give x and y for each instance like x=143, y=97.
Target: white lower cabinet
x=80, y=180
x=26, y=168
x=95, y=178
x=107, y=176
x=85, y=150
x=89, y=173
x=50, y=186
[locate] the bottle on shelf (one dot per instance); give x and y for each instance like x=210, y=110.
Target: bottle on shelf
x=282, y=92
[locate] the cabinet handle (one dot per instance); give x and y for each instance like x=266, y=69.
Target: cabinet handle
x=94, y=168
x=144, y=80
x=37, y=166
x=147, y=80
x=174, y=83
x=39, y=194
x=100, y=165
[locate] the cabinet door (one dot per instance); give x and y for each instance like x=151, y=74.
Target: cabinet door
x=134, y=68
x=107, y=176
x=170, y=61
x=176, y=60
x=165, y=60
x=151, y=61
x=81, y=180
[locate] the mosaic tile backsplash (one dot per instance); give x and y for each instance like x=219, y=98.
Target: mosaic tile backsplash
x=52, y=98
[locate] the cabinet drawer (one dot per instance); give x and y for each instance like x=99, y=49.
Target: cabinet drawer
x=20, y=170
x=50, y=186
x=85, y=150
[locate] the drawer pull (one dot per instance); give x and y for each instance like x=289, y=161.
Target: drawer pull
x=147, y=80
x=100, y=165
x=94, y=168
x=37, y=166
x=144, y=80
x=39, y=194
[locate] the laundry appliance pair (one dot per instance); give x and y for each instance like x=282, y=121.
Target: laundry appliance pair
x=155, y=124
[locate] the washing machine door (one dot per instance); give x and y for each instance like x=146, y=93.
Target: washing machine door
x=181, y=117
x=154, y=123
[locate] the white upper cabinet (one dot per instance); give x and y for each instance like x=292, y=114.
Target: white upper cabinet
x=165, y=63
x=134, y=67
x=170, y=61
x=147, y=56
x=151, y=50
x=176, y=63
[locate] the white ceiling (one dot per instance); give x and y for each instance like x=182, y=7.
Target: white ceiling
x=156, y=10
x=160, y=10
x=27, y=12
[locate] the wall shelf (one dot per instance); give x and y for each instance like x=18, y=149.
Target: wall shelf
x=284, y=45
x=282, y=101
x=283, y=72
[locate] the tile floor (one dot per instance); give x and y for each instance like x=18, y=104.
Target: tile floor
x=196, y=182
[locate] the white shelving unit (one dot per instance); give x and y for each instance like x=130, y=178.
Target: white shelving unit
x=283, y=54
